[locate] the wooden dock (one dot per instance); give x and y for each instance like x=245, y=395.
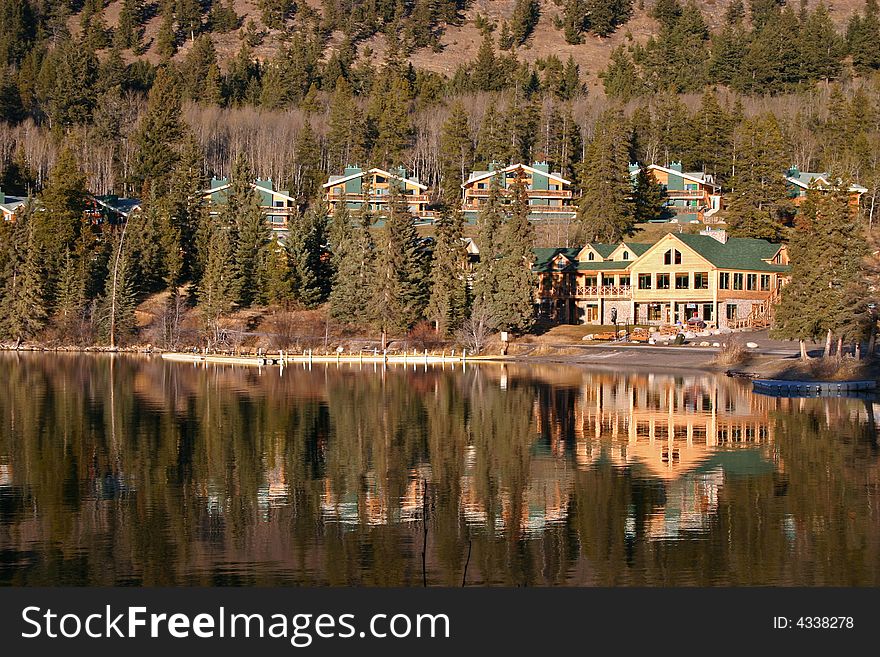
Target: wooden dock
x=282, y=359
x=779, y=387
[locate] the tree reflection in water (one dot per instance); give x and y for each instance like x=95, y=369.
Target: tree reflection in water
x=127, y=470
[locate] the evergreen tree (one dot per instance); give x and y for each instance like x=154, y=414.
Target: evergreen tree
x=128, y=30
x=93, y=26
x=198, y=66
x=759, y=201
x=189, y=18
x=821, y=47
x=456, y=155
x=252, y=235
x=447, y=306
x=23, y=301
x=524, y=20
x=275, y=12
x=310, y=274
x=222, y=17
x=354, y=259
x=71, y=297
x=512, y=306
x=827, y=294
x=492, y=144
x=605, y=211
x=61, y=221
x=394, y=130
x=398, y=294
x=621, y=79
x=863, y=35
x=72, y=104
x=219, y=285
x=344, y=129
x=647, y=197
x=166, y=40
x=489, y=223
x=158, y=133
x=187, y=209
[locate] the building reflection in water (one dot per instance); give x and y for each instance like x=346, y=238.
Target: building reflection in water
x=552, y=474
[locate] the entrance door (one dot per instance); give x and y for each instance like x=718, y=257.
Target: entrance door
x=591, y=314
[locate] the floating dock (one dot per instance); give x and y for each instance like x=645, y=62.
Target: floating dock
x=281, y=359
x=781, y=388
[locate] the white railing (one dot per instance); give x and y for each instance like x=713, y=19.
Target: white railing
x=603, y=290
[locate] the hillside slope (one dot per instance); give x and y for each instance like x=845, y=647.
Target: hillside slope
x=460, y=43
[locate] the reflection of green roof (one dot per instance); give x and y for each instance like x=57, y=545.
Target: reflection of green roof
x=736, y=253
x=737, y=462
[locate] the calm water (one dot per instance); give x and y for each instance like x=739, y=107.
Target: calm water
x=125, y=470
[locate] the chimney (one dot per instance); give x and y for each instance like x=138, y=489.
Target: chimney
x=715, y=233
x=676, y=166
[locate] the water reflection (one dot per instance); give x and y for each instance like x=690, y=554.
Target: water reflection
x=123, y=470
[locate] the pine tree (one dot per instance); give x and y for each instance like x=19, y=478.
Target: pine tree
x=278, y=287
x=189, y=18
x=524, y=20
x=456, y=155
x=218, y=288
x=863, y=35
x=827, y=293
x=821, y=47
x=621, y=79
x=447, y=306
x=158, y=133
x=71, y=296
x=492, y=139
x=197, y=68
x=61, y=222
x=344, y=129
x=275, y=12
x=128, y=30
x=511, y=308
x=186, y=208
x=605, y=211
x=222, y=17
x=93, y=26
x=759, y=200
x=354, y=260
x=310, y=274
x=23, y=302
x=648, y=201
x=394, y=131
x=166, y=40
x=252, y=235
x=489, y=223
x=398, y=294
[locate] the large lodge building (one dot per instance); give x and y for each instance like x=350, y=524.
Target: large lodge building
x=725, y=282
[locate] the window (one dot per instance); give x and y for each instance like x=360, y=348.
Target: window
x=701, y=280
x=765, y=282
x=624, y=280
x=724, y=280
x=654, y=312
x=644, y=281
x=626, y=255
x=682, y=281
x=751, y=281
x=737, y=281
x=380, y=179
x=731, y=311
x=662, y=281
x=591, y=256
x=672, y=257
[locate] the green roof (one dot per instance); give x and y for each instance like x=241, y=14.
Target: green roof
x=544, y=256
x=603, y=250
x=602, y=265
x=638, y=247
x=736, y=253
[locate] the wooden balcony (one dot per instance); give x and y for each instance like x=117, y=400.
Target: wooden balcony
x=686, y=194
x=532, y=193
x=534, y=209
x=587, y=292
x=376, y=198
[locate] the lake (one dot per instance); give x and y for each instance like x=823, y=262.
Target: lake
x=129, y=470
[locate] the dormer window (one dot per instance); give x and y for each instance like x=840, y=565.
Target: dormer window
x=625, y=255
x=591, y=256
x=672, y=257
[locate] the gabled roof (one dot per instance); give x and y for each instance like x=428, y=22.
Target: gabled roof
x=737, y=253
x=259, y=188
x=122, y=206
x=11, y=204
x=804, y=179
x=604, y=250
x=481, y=175
x=602, y=265
x=544, y=257
x=638, y=248
x=693, y=176
x=335, y=180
